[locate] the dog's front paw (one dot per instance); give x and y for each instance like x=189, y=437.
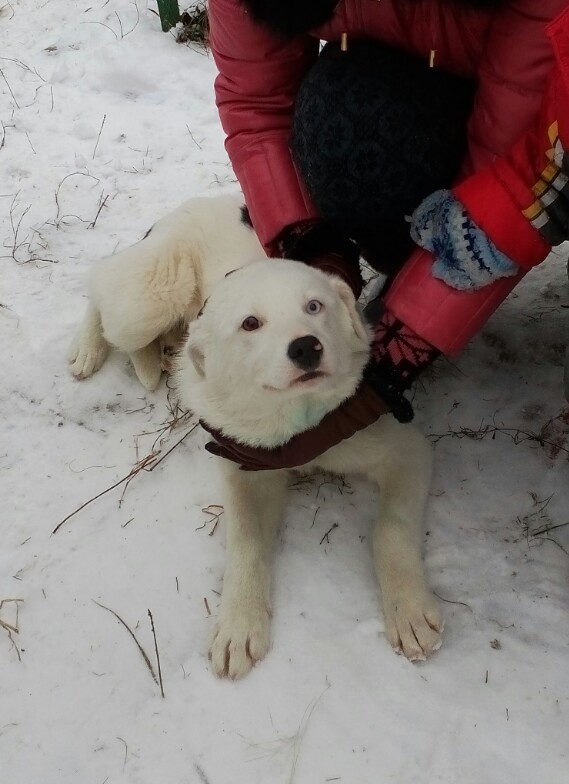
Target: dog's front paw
x=413, y=624
x=240, y=640
x=87, y=354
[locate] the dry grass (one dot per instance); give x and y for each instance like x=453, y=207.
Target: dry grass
x=194, y=26
x=547, y=437
x=12, y=628
x=537, y=524
x=178, y=420
x=291, y=744
x=138, y=645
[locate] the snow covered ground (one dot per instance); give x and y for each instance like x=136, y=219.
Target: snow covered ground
x=108, y=123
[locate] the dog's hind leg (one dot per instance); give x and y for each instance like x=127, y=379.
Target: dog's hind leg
x=147, y=363
x=253, y=507
x=144, y=291
x=89, y=348
x=413, y=622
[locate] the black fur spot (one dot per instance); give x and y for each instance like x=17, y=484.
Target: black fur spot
x=246, y=217
x=291, y=17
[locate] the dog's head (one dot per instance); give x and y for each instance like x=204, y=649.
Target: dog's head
x=277, y=346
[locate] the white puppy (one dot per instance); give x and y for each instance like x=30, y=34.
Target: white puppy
x=276, y=347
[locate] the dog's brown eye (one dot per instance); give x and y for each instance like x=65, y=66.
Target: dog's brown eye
x=251, y=323
x=314, y=307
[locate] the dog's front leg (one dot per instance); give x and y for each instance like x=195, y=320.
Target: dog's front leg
x=89, y=348
x=413, y=622
x=253, y=506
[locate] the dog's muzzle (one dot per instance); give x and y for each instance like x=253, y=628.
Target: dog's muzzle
x=305, y=352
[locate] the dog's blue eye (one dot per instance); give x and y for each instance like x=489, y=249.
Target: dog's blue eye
x=250, y=323
x=314, y=307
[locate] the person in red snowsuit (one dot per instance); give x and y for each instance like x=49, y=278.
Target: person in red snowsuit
x=508, y=205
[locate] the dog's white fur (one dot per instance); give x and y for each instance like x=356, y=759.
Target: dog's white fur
x=243, y=383
x=147, y=293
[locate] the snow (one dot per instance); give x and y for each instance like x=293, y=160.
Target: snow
x=99, y=106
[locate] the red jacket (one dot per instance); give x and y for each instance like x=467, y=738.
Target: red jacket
x=507, y=50
x=521, y=201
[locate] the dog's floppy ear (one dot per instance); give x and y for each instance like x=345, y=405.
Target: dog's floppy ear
x=346, y=295
x=195, y=346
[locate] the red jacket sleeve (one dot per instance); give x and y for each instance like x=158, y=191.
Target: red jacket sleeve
x=511, y=78
x=259, y=76
x=521, y=202
x=496, y=196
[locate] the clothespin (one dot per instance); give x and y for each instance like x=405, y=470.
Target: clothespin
x=344, y=42
x=432, y=58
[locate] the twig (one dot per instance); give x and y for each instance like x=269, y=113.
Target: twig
x=16, y=228
x=541, y=516
x=99, y=135
x=131, y=473
x=102, y=203
x=518, y=436
x=17, y=243
x=157, y=654
x=336, y=481
x=138, y=645
x=135, y=25
x=547, y=528
x=125, y=751
x=104, y=25
x=9, y=88
x=120, y=25
x=142, y=465
x=5, y=624
x=190, y=431
x=214, y=517
x=328, y=532
x=58, y=216
x=12, y=629
x=205, y=601
x=22, y=65
x=449, y=601
x=34, y=99
x=30, y=143
x=553, y=541
x=193, y=138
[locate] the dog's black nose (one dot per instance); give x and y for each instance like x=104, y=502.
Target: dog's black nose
x=305, y=352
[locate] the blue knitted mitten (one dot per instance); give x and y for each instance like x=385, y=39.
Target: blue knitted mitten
x=465, y=257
